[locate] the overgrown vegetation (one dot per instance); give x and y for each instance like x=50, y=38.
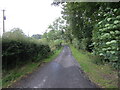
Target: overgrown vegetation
x=106, y=37
x=54, y=36
x=102, y=75
x=94, y=27
x=18, y=49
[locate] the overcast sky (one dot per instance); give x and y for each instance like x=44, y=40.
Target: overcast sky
x=32, y=16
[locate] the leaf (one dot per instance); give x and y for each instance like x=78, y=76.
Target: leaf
x=118, y=17
x=111, y=32
x=108, y=19
x=114, y=41
x=107, y=25
x=108, y=43
x=100, y=22
x=116, y=22
x=115, y=10
x=117, y=32
x=101, y=54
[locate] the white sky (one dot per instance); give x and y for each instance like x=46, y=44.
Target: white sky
x=32, y=16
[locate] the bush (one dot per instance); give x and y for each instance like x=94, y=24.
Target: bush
x=76, y=43
x=106, y=38
x=18, y=49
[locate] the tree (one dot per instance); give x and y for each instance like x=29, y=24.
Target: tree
x=94, y=27
x=81, y=18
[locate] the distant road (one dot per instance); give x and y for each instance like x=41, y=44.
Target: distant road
x=63, y=72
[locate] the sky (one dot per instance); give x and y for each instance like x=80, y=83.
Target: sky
x=32, y=16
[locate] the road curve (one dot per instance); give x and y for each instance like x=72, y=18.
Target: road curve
x=63, y=72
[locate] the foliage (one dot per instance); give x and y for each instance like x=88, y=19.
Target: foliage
x=53, y=39
x=57, y=24
x=79, y=25
x=106, y=38
x=94, y=27
x=54, y=34
x=18, y=49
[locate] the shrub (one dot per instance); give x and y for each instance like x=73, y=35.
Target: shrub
x=19, y=49
x=106, y=38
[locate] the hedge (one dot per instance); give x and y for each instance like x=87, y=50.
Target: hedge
x=18, y=49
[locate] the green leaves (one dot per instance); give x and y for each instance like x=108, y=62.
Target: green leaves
x=116, y=22
x=19, y=50
x=115, y=10
x=118, y=17
x=108, y=19
x=107, y=25
x=106, y=39
x=100, y=22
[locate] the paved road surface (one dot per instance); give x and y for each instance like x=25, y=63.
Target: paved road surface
x=63, y=72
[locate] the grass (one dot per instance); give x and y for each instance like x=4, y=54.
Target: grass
x=102, y=75
x=17, y=73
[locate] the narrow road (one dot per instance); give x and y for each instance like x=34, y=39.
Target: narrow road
x=63, y=72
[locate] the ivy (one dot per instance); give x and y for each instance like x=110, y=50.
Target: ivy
x=108, y=32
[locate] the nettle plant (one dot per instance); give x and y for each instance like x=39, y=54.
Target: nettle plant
x=106, y=38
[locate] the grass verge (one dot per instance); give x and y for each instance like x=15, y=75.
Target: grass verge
x=102, y=75
x=17, y=73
